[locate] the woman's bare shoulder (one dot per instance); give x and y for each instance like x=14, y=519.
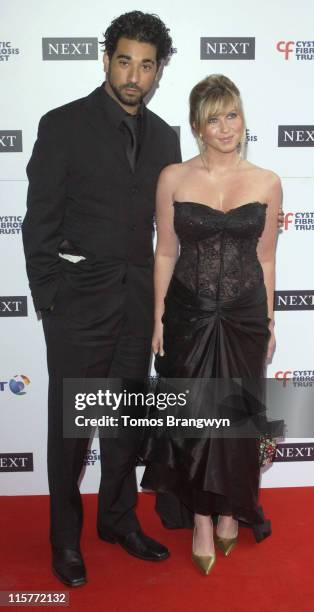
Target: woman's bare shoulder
x=177, y=171
x=263, y=174
x=171, y=172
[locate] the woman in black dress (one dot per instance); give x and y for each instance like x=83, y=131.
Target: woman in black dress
x=213, y=308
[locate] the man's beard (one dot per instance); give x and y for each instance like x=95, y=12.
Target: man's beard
x=125, y=98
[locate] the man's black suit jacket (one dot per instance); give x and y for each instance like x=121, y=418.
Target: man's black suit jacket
x=82, y=189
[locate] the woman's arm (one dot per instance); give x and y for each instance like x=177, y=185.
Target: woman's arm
x=266, y=250
x=167, y=248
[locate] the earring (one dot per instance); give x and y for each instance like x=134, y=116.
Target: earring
x=201, y=141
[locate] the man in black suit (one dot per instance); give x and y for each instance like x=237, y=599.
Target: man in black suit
x=88, y=245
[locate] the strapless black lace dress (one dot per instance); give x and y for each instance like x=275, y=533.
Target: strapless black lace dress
x=215, y=326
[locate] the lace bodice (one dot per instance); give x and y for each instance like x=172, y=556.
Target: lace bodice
x=218, y=250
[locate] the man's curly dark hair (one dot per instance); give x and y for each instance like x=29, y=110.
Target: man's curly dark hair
x=143, y=27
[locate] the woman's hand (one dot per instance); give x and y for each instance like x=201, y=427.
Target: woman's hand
x=157, y=341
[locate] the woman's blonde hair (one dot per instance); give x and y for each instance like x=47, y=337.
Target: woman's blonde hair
x=210, y=97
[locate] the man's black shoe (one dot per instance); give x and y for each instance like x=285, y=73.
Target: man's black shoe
x=139, y=545
x=68, y=566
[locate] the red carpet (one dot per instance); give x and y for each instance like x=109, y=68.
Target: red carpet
x=276, y=574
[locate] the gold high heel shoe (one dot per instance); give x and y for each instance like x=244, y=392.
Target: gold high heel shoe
x=225, y=544
x=204, y=563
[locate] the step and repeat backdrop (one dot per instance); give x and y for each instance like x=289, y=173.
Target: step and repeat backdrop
x=50, y=55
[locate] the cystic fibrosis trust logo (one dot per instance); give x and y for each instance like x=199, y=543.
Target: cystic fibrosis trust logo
x=91, y=457
x=299, y=378
x=300, y=49
x=299, y=220
x=69, y=49
x=295, y=135
x=11, y=141
x=6, y=51
x=227, y=48
x=250, y=137
x=294, y=300
x=11, y=225
x=17, y=385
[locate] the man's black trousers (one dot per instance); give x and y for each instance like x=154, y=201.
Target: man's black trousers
x=95, y=347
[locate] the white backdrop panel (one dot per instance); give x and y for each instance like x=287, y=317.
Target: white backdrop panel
x=276, y=91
